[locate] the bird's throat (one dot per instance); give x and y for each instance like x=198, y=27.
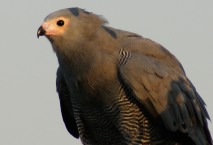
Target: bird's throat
x=76, y=61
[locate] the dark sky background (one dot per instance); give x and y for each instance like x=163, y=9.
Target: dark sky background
x=29, y=106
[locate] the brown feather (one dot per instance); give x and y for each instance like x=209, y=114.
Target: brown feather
x=123, y=88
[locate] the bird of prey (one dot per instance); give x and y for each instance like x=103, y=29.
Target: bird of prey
x=119, y=88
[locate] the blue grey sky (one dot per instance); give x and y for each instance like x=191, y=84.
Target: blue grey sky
x=29, y=106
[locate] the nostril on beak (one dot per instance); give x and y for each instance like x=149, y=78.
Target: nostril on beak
x=45, y=25
x=42, y=29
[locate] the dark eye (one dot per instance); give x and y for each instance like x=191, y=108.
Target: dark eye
x=60, y=23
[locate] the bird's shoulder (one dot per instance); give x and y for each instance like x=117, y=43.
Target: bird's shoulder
x=141, y=47
x=158, y=81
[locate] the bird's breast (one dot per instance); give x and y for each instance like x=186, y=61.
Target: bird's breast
x=121, y=122
x=94, y=92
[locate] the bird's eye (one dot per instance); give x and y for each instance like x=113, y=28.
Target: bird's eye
x=60, y=23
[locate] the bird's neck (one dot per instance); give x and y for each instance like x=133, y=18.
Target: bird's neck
x=79, y=57
x=76, y=62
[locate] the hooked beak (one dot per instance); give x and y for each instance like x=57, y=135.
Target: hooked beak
x=41, y=31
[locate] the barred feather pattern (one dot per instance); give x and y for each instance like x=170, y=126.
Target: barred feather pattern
x=125, y=122
x=124, y=56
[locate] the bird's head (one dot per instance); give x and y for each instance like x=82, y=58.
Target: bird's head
x=71, y=24
x=53, y=27
x=56, y=23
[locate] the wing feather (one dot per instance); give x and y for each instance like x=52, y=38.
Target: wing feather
x=66, y=104
x=156, y=76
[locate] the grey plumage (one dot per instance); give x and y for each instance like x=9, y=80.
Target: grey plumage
x=116, y=87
